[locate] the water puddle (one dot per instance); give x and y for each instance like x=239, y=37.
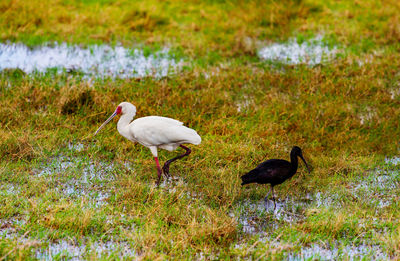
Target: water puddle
x=394, y=93
x=311, y=52
x=8, y=189
x=245, y=103
x=378, y=189
x=90, y=171
x=95, y=61
x=212, y=72
x=369, y=58
x=345, y=252
x=78, y=147
x=72, y=251
x=315, y=251
x=260, y=217
x=9, y=227
x=394, y=161
x=79, y=178
x=203, y=256
x=367, y=116
x=177, y=185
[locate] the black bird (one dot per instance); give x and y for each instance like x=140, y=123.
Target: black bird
x=275, y=171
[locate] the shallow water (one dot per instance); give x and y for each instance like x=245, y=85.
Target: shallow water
x=8, y=227
x=83, y=178
x=7, y=189
x=310, y=52
x=319, y=252
x=94, y=61
x=68, y=248
x=245, y=103
x=380, y=187
x=71, y=251
x=260, y=217
x=395, y=161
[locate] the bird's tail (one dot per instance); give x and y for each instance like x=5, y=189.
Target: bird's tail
x=250, y=177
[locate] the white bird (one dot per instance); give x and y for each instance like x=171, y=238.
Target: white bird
x=154, y=132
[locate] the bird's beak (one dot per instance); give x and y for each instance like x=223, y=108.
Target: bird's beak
x=107, y=121
x=301, y=156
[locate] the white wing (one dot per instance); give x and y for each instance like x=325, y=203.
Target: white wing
x=158, y=120
x=159, y=131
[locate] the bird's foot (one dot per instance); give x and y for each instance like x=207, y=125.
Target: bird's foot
x=266, y=203
x=166, y=171
x=269, y=204
x=158, y=181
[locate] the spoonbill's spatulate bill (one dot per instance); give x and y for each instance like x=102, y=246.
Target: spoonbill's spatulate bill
x=275, y=171
x=154, y=132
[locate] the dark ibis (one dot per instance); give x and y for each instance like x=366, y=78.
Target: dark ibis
x=275, y=171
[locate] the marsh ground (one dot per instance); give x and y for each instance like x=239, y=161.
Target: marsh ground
x=254, y=78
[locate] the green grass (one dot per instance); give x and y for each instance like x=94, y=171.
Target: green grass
x=343, y=115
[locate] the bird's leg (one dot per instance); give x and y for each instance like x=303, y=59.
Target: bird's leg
x=266, y=197
x=273, y=196
x=168, y=162
x=158, y=170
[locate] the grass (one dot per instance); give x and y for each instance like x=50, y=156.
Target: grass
x=58, y=184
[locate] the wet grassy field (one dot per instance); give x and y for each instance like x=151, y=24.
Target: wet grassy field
x=253, y=78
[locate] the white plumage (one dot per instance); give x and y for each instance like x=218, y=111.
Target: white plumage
x=154, y=132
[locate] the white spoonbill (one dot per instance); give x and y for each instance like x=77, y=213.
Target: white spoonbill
x=154, y=132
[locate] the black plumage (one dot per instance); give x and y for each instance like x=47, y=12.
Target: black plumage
x=275, y=171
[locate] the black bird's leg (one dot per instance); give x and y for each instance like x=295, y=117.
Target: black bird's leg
x=266, y=197
x=168, y=162
x=273, y=196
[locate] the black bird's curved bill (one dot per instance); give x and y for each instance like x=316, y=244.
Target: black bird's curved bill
x=308, y=168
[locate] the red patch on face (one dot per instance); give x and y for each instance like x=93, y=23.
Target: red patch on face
x=119, y=110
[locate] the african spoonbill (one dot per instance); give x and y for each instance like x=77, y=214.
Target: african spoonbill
x=154, y=132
